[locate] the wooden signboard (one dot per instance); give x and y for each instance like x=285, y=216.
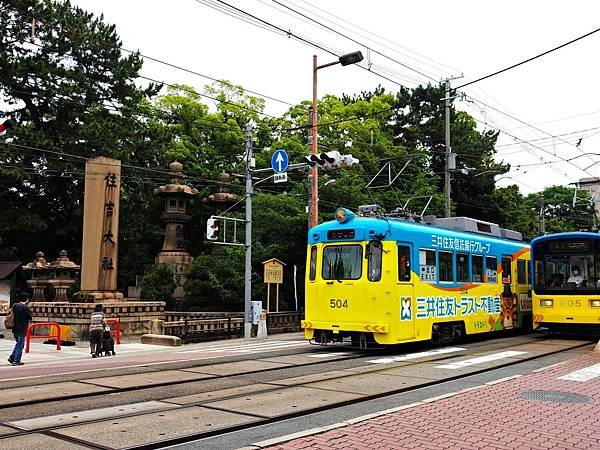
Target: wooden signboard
x=273, y=274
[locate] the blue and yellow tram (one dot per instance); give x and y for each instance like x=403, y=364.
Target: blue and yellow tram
x=382, y=280
x=566, y=281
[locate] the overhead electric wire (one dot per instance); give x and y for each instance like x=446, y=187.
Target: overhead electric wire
x=528, y=59
x=289, y=33
x=354, y=40
x=369, y=32
x=524, y=123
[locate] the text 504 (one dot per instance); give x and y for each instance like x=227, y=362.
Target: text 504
x=338, y=303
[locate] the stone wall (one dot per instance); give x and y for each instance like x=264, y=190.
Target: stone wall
x=135, y=317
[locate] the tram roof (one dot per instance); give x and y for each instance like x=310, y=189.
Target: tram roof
x=567, y=235
x=385, y=225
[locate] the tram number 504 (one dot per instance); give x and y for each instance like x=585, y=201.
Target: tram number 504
x=338, y=303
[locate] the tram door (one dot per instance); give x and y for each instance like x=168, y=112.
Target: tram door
x=405, y=291
x=508, y=303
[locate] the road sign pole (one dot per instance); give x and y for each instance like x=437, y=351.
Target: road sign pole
x=248, y=263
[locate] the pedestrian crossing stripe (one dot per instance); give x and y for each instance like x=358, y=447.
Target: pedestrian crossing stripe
x=249, y=347
x=328, y=355
x=480, y=360
x=585, y=374
x=409, y=356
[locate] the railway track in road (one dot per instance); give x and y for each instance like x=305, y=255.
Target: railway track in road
x=160, y=408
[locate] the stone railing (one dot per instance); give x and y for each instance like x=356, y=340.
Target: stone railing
x=209, y=326
x=174, y=316
x=284, y=322
x=199, y=330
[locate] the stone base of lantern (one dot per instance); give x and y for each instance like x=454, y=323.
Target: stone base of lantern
x=99, y=296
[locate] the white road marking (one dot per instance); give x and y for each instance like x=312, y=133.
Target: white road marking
x=480, y=360
x=439, y=351
x=585, y=374
x=250, y=347
x=328, y=355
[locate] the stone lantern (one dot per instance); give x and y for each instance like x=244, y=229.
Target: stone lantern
x=37, y=272
x=174, y=253
x=62, y=276
x=222, y=199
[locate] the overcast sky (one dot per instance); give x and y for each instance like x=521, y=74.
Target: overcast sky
x=557, y=93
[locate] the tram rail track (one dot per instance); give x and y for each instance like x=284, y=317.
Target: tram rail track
x=256, y=419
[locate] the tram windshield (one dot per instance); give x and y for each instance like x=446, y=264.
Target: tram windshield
x=342, y=262
x=567, y=273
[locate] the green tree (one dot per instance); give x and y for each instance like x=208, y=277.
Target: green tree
x=159, y=285
x=215, y=283
x=74, y=96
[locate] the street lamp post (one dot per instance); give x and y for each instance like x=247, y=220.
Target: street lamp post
x=344, y=60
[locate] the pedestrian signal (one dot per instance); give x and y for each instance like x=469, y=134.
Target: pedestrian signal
x=212, y=228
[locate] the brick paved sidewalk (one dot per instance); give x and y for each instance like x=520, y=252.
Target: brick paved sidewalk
x=494, y=416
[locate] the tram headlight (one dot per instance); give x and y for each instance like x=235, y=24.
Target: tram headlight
x=595, y=303
x=547, y=302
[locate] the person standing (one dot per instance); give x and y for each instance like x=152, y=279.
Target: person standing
x=97, y=323
x=22, y=317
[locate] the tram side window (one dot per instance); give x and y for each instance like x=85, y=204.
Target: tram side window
x=521, y=271
x=446, y=266
x=374, y=253
x=477, y=268
x=427, y=270
x=491, y=269
x=404, y=263
x=462, y=266
x=506, y=271
x=313, y=263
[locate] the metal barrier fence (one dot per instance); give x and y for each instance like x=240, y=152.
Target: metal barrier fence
x=29, y=336
x=117, y=330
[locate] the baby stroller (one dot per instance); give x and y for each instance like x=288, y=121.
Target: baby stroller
x=108, y=343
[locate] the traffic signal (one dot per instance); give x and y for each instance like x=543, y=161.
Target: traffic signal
x=212, y=228
x=7, y=125
x=330, y=160
x=348, y=160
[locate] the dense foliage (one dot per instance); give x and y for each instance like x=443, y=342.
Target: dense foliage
x=76, y=95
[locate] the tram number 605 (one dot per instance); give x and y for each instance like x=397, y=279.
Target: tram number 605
x=338, y=303
x=570, y=303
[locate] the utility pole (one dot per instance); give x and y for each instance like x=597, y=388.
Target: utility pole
x=448, y=154
x=541, y=216
x=310, y=172
x=314, y=186
x=248, y=263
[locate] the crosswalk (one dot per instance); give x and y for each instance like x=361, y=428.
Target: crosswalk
x=417, y=355
x=585, y=374
x=480, y=360
x=245, y=347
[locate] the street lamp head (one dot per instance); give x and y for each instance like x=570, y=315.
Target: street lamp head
x=351, y=58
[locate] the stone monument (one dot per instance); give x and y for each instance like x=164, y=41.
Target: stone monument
x=100, y=230
x=174, y=253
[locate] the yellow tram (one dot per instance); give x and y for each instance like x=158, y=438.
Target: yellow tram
x=382, y=280
x=566, y=283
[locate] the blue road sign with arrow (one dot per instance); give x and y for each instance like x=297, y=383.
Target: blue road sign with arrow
x=279, y=161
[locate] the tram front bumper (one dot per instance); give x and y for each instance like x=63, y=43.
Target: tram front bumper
x=336, y=328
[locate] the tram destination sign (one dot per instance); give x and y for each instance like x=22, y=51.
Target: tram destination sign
x=561, y=246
